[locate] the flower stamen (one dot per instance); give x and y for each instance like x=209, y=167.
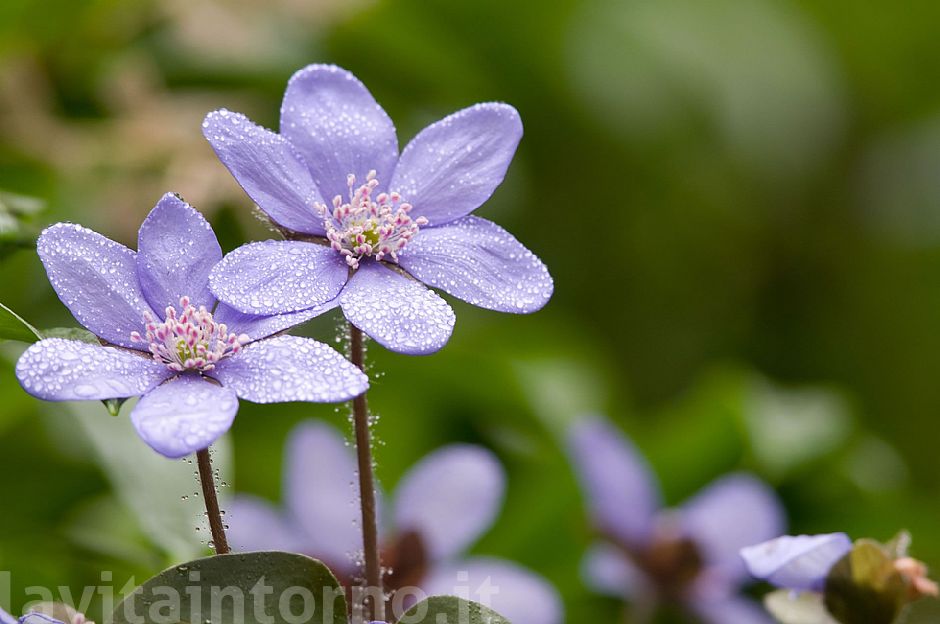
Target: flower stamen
x=189, y=340
x=377, y=226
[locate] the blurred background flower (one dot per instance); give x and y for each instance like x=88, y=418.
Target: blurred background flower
x=758, y=288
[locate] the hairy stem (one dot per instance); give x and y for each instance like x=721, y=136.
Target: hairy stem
x=207, y=479
x=374, y=608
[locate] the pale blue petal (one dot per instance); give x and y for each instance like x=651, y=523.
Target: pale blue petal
x=176, y=249
x=254, y=524
x=476, y=260
x=56, y=369
x=451, y=167
x=396, y=311
x=184, y=415
x=800, y=562
x=258, y=327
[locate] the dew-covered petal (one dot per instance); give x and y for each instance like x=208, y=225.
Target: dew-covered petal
x=176, y=249
x=740, y=501
x=96, y=279
x=320, y=492
x=268, y=167
x=397, y=311
x=518, y=594
x=258, y=327
x=476, y=260
x=619, y=487
x=35, y=617
x=732, y=610
x=450, y=498
x=184, y=415
x=290, y=368
x=800, y=562
x=56, y=369
x=607, y=570
x=338, y=127
x=454, y=165
x=274, y=277
x=254, y=524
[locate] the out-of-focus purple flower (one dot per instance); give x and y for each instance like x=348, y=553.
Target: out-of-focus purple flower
x=189, y=364
x=686, y=556
x=800, y=562
x=38, y=617
x=440, y=508
x=376, y=226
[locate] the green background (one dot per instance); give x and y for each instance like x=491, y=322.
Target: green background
x=739, y=201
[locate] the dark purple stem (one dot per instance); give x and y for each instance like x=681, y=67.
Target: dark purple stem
x=207, y=479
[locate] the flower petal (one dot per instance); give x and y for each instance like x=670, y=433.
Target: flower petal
x=6, y=618
x=451, y=167
x=732, y=610
x=450, y=498
x=518, y=594
x=398, y=312
x=184, y=415
x=320, y=492
x=56, y=369
x=607, y=570
x=254, y=524
x=176, y=249
x=268, y=167
x=800, y=562
x=258, y=327
x=290, y=368
x=96, y=279
x=738, y=500
x=476, y=260
x=339, y=128
x=274, y=277
x=620, y=488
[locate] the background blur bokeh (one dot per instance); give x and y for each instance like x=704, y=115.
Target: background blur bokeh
x=739, y=201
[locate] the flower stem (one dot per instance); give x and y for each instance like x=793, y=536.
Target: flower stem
x=375, y=609
x=219, y=542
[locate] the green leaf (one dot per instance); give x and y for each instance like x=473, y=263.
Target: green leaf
x=451, y=609
x=70, y=333
x=114, y=405
x=801, y=608
x=263, y=587
x=14, y=327
x=864, y=587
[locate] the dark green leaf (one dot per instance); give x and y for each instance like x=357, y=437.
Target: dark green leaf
x=14, y=327
x=452, y=610
x=864, y=587
x=262, y=587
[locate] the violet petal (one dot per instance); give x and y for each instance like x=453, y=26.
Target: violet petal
x=737, y=500
x=290, y=368
x=320, y=489
x=800, y=562
x=184, y=415
x=450, y=498
x=518, y=594
x=481, y=263
x=619, y=486
x=258, y=327
x=398, y=312
x=56, y=369
x=269, y=168
x=451, y=167
x=274, y=277
x=330, y=116
x=176, y=249
x=254, y=524
x=96, y=279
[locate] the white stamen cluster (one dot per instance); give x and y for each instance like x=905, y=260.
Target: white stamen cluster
x=189, y=340
x=367, y=226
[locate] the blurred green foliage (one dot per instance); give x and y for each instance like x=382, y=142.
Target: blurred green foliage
x=739, y=201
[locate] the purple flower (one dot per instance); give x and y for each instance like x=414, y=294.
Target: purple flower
x=686, y=556
x=441, y=506
x=800, y=562
x=190, y=364
x=371, y=219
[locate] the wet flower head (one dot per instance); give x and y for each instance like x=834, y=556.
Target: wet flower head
x=377, y=226
x=189, y=340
